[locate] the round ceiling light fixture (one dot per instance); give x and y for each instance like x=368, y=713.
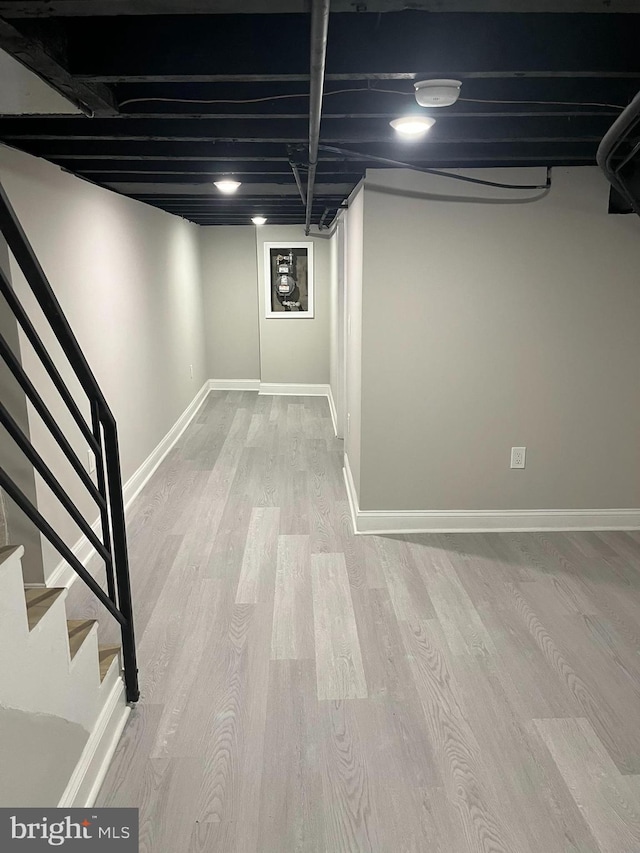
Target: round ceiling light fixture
x=258, y=220
x=227, y=186
x=412, y=126
x=437, y=93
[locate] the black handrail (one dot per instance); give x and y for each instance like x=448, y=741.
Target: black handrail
x=39, y=405
x=101, y=436
x=41, y=351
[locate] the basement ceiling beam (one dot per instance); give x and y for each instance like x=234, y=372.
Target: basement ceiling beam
x=434, y=155
x=46, y=146
x=360, y=46
x=93, y=98
x=242, y=130
x=91, y=78
x=77, y=8
x=338, y=190
x=177, y=157
x=249, y=176
x=65, y=122
x=343, y=139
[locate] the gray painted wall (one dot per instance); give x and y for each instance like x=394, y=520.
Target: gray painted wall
x=487, y=326
x=128, y=278
x=41, y=751
x=24, y=93
x=354, y=282
x=295, y=350
x=241, y=342
x=337, y=324
x=230, y=306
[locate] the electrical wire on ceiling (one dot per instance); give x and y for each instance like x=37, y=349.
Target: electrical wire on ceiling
x=544, y=103
x=359, y=155
x=240, y=100
x=386, y=161
x=360, y=89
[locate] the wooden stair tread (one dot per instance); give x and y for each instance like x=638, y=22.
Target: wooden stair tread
x=106, y=655
x=78, y=630
x=39, y=600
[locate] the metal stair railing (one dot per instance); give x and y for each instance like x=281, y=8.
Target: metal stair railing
x=101, y=436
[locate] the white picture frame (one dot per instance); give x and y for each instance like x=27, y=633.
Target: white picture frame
x=280, y=306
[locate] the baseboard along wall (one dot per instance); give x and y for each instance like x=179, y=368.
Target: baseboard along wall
x=63, y=575
x=478, y=521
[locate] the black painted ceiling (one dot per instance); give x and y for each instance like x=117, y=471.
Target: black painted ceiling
x=180, y=100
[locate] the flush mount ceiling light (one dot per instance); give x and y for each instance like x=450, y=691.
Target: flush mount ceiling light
x=412, y=126
x=437, y=93
x=227, y=186
x=258, y=220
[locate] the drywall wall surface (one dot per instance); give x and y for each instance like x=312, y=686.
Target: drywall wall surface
x=295, y=351
x=487, y=326
x=128, y=279
x=39, y=754
x=230, y=304
x=15, y=527
x=24, y=93
x=354, y=250
x=337, y=323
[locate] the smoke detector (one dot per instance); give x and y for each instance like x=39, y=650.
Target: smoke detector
x=437, y=93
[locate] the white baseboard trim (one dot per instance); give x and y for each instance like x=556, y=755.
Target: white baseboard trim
x=292, y=389
x=332, y=409
x=92, y=767
x=234, y=384
x=478, y=521
x=63, y=574
x=137, y=481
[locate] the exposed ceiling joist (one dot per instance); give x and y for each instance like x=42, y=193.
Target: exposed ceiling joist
x=75, y=8
x=359, y=47
x=91, y=78
x=449, y=125
x=32, y=53
x=211, y=96
x=337, y=190
x=517, y=112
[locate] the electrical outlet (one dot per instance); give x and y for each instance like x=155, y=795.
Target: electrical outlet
x=91, y=460
x=191, y=371
x=518, y=457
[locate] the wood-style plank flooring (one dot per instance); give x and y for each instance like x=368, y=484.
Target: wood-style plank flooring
x=305, y=690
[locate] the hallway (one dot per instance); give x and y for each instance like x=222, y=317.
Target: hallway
x=304, y=689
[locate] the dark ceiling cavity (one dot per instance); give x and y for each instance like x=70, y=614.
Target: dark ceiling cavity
x=177, y=95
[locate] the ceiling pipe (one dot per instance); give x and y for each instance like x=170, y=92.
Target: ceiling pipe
x=319, y=30
x=327, y=210
x=605, y=155
x=296, y=175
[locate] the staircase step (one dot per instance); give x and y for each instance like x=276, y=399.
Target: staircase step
x=78, y=630
x=39, y=600
x=107, y=654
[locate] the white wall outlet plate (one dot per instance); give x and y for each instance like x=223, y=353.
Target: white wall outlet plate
x=91, y=460
x=518, y=457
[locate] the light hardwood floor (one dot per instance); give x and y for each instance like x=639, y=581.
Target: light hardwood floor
x=304, y=689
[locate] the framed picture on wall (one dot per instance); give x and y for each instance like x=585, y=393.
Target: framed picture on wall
x=288, y=278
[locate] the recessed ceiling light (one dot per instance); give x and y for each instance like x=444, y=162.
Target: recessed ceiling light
x=227, y=187
x=258, y=220
x=437, y=93
x=412, y=125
